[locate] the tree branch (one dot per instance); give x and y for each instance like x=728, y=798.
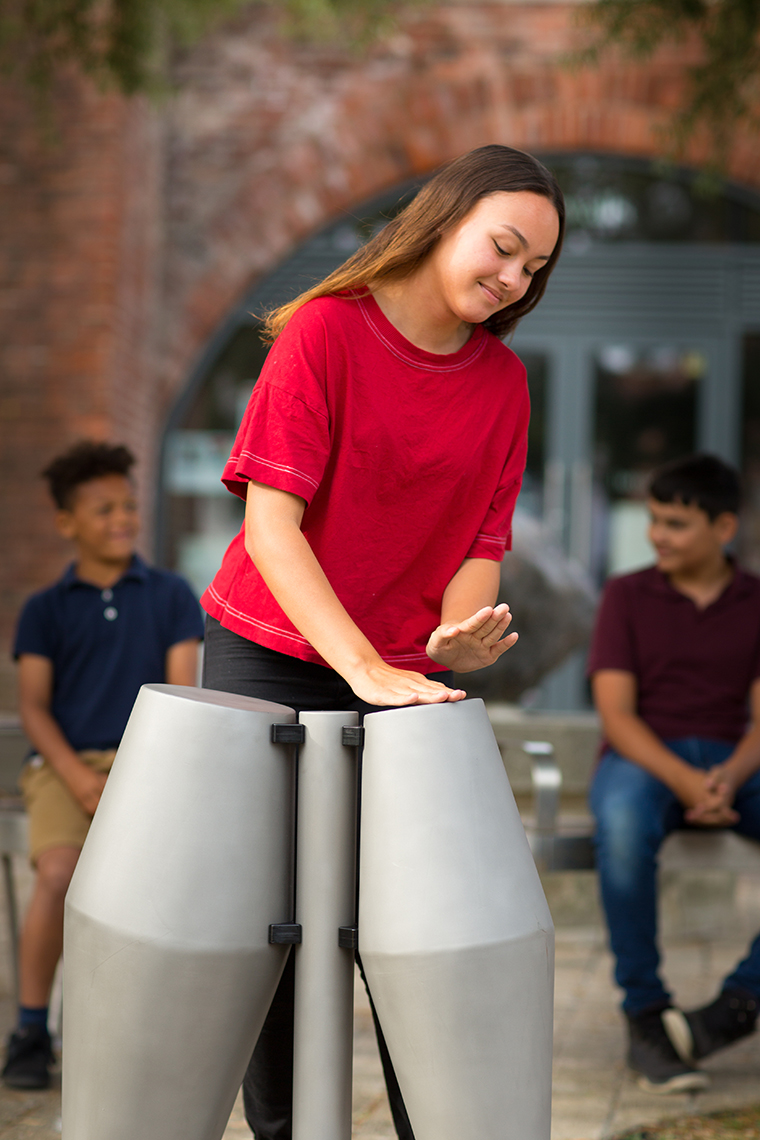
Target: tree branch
x=723, y=90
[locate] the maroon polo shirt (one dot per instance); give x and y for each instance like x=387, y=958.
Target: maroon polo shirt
x=693, y=667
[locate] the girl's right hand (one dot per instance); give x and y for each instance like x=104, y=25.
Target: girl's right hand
x=381, y=684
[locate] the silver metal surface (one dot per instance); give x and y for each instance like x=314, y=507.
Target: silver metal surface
x=454, y=931
x=546, y=778
x=168, y=970
x=325, y=900
x=14, y=840
x=559, y=846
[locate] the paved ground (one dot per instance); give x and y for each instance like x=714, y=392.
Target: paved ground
x=594, y=1098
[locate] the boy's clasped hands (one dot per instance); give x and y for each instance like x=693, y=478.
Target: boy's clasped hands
x=716, y=792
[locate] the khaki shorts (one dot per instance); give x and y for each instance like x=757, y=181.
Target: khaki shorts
x=56, y=819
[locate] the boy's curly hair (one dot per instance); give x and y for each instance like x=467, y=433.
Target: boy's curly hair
x=85, y=461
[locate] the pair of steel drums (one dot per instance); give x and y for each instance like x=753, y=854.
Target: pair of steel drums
x=169, y=971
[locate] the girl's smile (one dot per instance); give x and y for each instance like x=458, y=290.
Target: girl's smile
x=495, y=298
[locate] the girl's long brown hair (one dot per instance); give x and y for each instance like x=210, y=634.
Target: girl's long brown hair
x=404, y=243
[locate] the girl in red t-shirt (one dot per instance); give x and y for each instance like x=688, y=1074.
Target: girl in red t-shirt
x=380, y=458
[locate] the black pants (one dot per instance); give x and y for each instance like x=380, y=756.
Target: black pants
x=232, y=664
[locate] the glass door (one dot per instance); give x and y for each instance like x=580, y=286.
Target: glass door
x=532, y=493
x=610, y=412
x=200, y=517
x=749, y=532
x=646, y=413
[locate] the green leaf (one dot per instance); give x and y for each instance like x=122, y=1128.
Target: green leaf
x=722, y=90
x=128, y=43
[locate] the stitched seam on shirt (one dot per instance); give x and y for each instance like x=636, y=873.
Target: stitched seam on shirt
x=410, y=359
x=491, y=538
x=411, y=657
x=255, y=621
x=283, y=467
x=294, y=395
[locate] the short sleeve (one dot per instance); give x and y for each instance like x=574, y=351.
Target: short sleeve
x=187, y=617
x=284, y=439
x=612, y=641
x=495, y=534
x=36, y=629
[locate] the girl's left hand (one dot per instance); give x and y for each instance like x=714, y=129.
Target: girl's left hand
x=473, y=643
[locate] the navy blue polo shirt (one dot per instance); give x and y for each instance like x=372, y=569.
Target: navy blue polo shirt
x=105, y=644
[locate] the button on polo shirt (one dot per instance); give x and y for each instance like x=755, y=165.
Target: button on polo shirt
x=105, y=644
x=694, y=668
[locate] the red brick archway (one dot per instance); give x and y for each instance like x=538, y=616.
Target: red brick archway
x=297, y=137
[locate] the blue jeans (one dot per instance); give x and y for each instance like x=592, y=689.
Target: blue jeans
x=634, y=813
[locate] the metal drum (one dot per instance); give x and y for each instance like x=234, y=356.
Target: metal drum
x=168, y=969
x=454, y=930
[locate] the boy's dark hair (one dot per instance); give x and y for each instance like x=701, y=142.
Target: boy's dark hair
x=85, y=461
x=704, y=480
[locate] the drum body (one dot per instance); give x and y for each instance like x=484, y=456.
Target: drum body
x=168, y=971
x=454, y=931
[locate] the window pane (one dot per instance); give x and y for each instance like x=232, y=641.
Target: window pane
x=532, y=493
x=201, y=516
x=749, y=533
x=612, y=198
x=646, y=410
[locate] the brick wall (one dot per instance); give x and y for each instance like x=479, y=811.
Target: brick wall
x=130, y=237
x=78, y=275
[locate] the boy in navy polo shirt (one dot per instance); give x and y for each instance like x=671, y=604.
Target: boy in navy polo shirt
x=85, y=646
x=675, y=668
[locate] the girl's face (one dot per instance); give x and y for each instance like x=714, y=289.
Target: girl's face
x=486, y=262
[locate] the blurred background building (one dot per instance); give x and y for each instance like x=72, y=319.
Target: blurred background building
x=141, y=240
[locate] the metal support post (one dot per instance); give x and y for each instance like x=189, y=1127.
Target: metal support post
x=325, y=901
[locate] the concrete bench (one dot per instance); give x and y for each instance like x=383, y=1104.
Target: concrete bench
x=14, y=836
x=547, y=755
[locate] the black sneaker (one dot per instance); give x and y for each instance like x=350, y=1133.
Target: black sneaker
x=701, y=1032
x=652, y=1056
x=28, y=1058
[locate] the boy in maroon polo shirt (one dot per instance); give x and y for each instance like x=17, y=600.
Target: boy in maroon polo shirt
x=675, y=669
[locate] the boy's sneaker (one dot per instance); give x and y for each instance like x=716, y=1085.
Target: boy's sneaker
x=703, y=1031
x=652, y=1056
x=28, y=1058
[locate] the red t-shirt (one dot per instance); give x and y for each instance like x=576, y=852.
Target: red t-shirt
x=409, y=463
x=693, y=667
